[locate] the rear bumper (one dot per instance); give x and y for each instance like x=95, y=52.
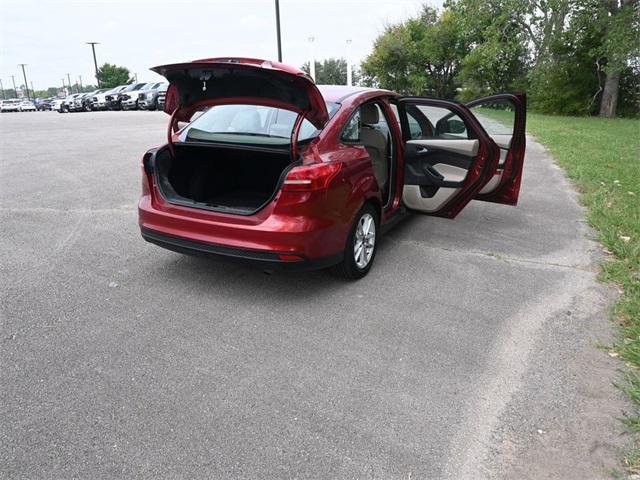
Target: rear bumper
x=266, y=259
x=285, y=235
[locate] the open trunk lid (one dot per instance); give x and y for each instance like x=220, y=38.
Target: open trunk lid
x=216, y=81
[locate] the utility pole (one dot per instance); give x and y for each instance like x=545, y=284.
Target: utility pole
x=33, y=90
x=2, y=88
x=26, y=85
x=349, y=78
x=80, y=81
x=278, y=30
x=312, y=62
x=95, y=62
x=70, y=86
x=64, y=87
x=135, y=76
x=15, y=90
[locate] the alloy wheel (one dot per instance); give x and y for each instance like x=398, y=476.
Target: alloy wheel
x=364, y=240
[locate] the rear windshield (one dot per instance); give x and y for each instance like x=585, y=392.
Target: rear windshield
x=253, y=124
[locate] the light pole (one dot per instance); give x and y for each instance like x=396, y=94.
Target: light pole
x=312, y=62
x=135, y=77
x=69, y=81
x=278, y=30
x=95, y=62
x=15, y=90
x=24, y=75
x=33, y=90
x=2, y=88
x=349, y=78
x=80, y=76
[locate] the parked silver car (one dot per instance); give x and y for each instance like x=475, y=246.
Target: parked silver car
x=148, y=97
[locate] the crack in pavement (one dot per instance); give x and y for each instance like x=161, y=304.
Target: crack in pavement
x=494, y=255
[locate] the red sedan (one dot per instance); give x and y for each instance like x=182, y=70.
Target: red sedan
x=262, y=164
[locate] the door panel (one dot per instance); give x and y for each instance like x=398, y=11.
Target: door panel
x=450, y=172
x=415, y=199
x=448, y=156
x=503, y=117
x=463, y=147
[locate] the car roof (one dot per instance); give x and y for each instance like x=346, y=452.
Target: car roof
x=337, y=93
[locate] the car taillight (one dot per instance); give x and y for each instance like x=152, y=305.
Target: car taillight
x=311, y=177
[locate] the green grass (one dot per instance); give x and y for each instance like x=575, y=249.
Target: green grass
x=602, y=157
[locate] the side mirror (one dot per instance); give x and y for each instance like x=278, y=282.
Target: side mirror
x=453, y=125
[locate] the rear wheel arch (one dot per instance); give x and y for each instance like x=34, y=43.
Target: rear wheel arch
x=377, y=206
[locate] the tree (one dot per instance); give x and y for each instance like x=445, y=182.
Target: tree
x=620, y=48
x=9, y=93
x=497, y=57
x=421, y=56
x=331, y=71
x=572, y=57
x=388, y=65
x=111, y=75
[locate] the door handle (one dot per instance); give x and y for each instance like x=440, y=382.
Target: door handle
x=422, y=151
x=432, y=174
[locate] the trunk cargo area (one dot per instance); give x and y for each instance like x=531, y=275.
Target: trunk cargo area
x=223, y=178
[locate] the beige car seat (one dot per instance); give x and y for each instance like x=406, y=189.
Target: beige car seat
x=375, y=142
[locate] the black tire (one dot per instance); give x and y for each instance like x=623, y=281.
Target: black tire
x=348, y=268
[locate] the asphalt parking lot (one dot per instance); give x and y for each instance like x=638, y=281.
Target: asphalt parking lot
x=467, y=352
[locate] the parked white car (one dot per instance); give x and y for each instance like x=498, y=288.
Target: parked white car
x=56, y=105
x=27, y=106
x=69, y=102
x=10, y=105
x=100, y=101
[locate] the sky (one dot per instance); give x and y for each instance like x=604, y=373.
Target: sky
x=50, y=36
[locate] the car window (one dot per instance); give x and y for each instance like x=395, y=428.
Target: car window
x=351, y=130
x=427, y=122
x=253, y=124
x=497, y=117
x=415, y=129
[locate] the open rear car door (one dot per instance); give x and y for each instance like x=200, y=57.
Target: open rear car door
x=503, y=117
x=455, y=153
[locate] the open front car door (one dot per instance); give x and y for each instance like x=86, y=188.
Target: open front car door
x=448, y=156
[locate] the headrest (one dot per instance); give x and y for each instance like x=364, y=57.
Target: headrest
x=369, y=114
